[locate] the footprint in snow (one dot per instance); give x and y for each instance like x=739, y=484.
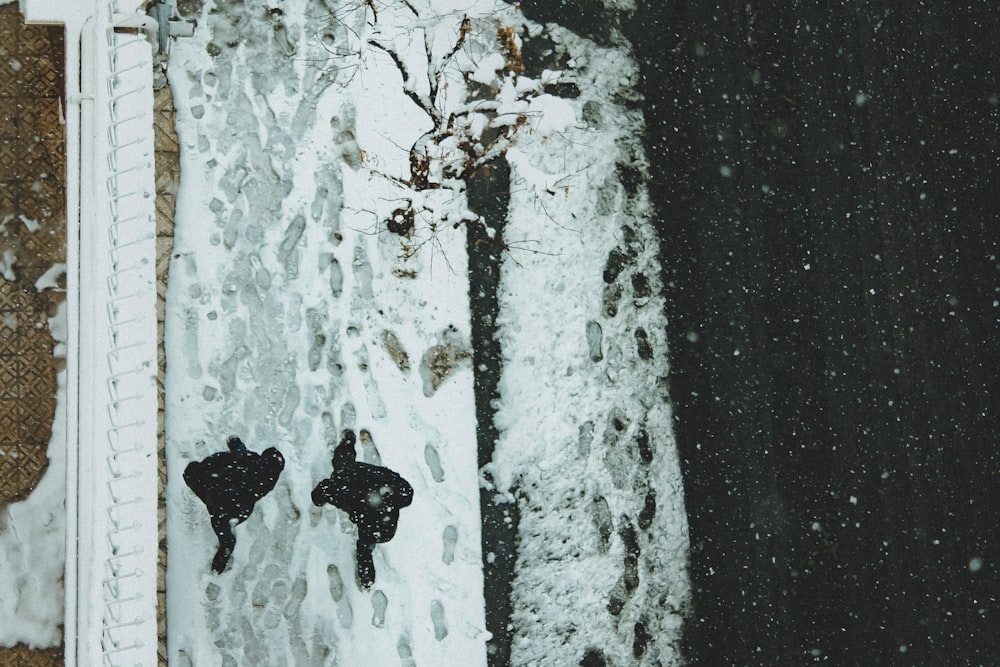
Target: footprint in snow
x=213, y=609
x=595, y=340
x=254, y=646
x=379, y=605
x=449, y=539
x=375, y=403
x=600, y=514
x=369, y=452
x=297, y=595
x=405, y=652
x=433, y=461
x=348, y=413
x=344, y=610
x=364, y=277
x=438, y=620
x=336, y=278
x=317, y=320
x=586, y=436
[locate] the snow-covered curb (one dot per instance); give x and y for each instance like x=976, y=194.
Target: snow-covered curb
x=586, y=444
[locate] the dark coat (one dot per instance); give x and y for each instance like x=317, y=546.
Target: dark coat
x=230, y=483
x=371, y=495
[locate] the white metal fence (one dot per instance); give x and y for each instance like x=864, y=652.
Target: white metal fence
x=111, y=358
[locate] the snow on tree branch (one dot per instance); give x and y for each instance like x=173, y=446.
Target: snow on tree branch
x=472, y=91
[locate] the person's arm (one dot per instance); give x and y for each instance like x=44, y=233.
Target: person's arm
x=321, y=494
x=404, y=491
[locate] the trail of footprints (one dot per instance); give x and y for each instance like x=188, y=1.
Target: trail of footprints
x=449, y=539
x=273, y=599
x=623, y=441
x=344, y=611
x=379, y=605
x=276, y=600
x=438, y=620
x=257, y=355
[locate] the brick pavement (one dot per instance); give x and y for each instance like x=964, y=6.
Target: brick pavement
x=32, y=230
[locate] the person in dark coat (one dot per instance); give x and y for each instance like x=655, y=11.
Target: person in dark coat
x=230, y=484
x=372, y=497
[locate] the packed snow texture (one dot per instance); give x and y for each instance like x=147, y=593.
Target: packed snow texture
x=601, y=567
x=319, y=282
x=33, y=538
x=293, y=314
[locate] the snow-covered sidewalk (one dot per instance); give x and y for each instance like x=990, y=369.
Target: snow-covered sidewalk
x=319, y=282
x=292, y=316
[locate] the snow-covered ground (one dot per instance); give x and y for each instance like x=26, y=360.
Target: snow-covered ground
x=33, y=538
x=291, y=317
x=302, y=302
x=311, y=135
x=586, y=433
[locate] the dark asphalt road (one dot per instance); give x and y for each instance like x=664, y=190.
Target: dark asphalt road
x=827, y=183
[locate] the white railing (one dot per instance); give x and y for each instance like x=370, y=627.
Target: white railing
x=111, y=357
x=129, y=592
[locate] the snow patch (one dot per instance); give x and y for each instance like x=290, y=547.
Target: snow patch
x=33, y=538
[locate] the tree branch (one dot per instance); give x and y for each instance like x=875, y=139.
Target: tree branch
x=426, y=105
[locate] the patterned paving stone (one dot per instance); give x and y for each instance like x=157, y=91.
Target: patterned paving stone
x=167, y=181
x=32, y=229
x=22, y=656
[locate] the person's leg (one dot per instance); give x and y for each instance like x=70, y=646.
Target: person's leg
x=384, y=524
x=366, y=563
x=227, y=542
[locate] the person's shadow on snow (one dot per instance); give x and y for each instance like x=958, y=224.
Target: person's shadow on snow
x=372, y=497
x=230, y=484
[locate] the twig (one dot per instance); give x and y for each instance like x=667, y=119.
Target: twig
x=425, y=105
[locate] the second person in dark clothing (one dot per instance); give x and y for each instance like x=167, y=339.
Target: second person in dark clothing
x=372, y=497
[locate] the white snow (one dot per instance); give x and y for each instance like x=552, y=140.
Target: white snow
x=30, y=224
x=50, y=279
x=290, y=304
x=591, y=465
x=33, y=539
x=284, y=292
x=8, y=258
